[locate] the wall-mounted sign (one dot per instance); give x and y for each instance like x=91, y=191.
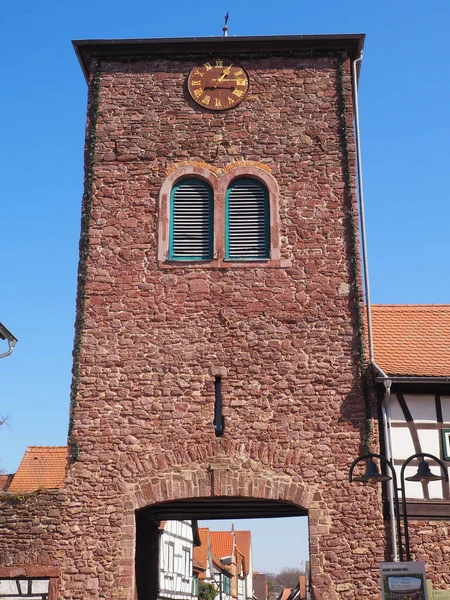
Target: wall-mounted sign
x=403, y=581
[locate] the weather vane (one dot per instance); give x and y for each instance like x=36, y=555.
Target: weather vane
x=225, y=28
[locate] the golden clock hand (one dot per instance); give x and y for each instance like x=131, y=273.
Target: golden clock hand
x=222, y=77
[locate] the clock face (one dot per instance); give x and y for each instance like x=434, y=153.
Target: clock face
x=218, y=84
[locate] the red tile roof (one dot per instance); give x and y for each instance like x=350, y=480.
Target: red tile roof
x=221, y=543
x=5, y=480
x=412, y=339
x=41, y=467
x=216, y=560
x=244, y=542
x=196, y=566
x=201, y=552
x=285, y=594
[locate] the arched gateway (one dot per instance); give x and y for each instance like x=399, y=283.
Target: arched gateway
x=217, y=359
x=227, y=498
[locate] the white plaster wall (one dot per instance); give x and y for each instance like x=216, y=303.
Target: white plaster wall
x=423, y=410
x=18, y=589
x=445, y=403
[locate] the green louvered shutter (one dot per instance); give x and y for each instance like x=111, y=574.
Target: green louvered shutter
x=247, y=221
x=191, y=221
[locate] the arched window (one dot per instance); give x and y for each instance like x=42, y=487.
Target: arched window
x=247, y=221
x=191, y=221
x=222, y=218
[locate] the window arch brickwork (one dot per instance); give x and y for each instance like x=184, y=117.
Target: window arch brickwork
x=172, y=180
x=269, y=182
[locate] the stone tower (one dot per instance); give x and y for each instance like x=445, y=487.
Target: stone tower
x=218, y=348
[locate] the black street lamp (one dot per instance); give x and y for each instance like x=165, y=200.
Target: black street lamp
x=372, y=475
x=5, y=334
x=423, y=475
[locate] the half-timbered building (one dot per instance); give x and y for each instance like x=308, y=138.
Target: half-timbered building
x=176, y=551
x=412, y=349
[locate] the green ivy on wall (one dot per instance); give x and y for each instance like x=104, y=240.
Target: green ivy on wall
x=354, y=250
x=82, y=271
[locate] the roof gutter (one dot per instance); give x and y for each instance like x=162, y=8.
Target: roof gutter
x=355, y=67
x=386, y=422
x=383, y=377
x=413, y=379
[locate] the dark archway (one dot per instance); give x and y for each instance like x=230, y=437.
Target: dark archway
x=223, y=508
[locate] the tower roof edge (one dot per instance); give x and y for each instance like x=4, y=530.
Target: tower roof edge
x=87, y=50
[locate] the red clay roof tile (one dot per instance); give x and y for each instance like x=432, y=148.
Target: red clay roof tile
x=41, y=467
x=244, y=542
x=201, y=552
x=5, y=481
x=412, y=339
x=221, y=543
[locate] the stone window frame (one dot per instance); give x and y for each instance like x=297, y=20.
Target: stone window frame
x=173, y=238
x=263, y=234
x=219, y=184
x=35, y=572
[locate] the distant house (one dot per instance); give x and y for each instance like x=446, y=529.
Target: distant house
x=176, y=552
x=223, y=546
x=244, y=545
x=5, y=481
x=260, y=586
x=226, y=563
x=42, y=467
x=211, y=568
x=223, y=579
x=299, y=592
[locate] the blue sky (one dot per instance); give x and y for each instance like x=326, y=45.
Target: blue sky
x=276, y=543
x=405, y=127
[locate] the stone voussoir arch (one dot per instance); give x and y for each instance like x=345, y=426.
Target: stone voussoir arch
x=220, y=478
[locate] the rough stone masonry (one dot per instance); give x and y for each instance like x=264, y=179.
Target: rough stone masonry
x=154, y=334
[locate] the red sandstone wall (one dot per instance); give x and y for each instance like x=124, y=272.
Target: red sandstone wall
x=152, y=336
x=430, y=542
x=28, y=524
x=284, y=338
